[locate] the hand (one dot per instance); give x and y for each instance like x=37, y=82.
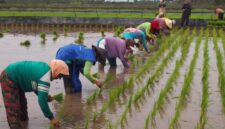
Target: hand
x=55, y=123
x=98, y=83
x=50, y=98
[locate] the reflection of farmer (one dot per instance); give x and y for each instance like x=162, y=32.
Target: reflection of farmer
x=134, y=33
x=115, y=47
x=165, y=24
x=27, y=76
x=186, y=13
x=80, y=58
x=219, y=12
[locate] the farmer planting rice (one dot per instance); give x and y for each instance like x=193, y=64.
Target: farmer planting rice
x=80, y=58
x=28, y=76
x=116, y=47
x=134, y=33
x=219, y=12
x=165, y=24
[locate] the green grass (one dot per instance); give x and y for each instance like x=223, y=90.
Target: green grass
x=102, y=15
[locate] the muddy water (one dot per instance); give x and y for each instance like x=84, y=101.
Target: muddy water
x=11, y=51
x=215, y=115
x=187, y=119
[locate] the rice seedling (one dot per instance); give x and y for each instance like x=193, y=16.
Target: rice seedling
x=140, y=91
x=169, y=84
x=66, y=29
x=109, y=126
x=80, y=39
x=56, y=35
x=118, y=30
x=103, y=33
x=1, y=35
x=58, y=98
x=97, y=92
x=43, y=37
x=220, y=68
x=186, y=86
x=25, y=43
x=205, y=82
x=86, y=126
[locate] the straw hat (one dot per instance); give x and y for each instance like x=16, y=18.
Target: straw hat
x=169, y=23
x=100, y=54
x=58, y=67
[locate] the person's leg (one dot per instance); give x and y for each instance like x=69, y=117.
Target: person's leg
x=182, y=20
x=112, y=62
x=68, y=81
x=11, y=99
x=187, y=20
x=75, y=77
x=23, y=104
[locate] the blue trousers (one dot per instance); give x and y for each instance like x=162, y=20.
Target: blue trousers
x=75, y=68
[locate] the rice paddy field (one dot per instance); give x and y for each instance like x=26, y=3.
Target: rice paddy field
x=179, y=85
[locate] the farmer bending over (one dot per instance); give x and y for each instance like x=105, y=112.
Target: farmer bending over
x=116, y=47
x=27, y=76
x=134, y=33
x=80, y=58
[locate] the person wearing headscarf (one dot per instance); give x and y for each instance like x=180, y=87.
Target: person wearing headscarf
x=219, y=12
x=186, y=13
x=116, y=47
x=136, y=33
x=80, y=58
x=29, y=76
x=165, y=24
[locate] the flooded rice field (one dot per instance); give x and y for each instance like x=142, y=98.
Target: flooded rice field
x=177, y=86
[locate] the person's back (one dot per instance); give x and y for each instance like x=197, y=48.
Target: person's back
x=115, y=46
x=26, y=73
x=74, y=51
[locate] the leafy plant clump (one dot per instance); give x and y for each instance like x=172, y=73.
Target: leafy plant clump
x=43, y=37
x=80, y=39
x=25, y=43
x=1, y=35
x=58, y=97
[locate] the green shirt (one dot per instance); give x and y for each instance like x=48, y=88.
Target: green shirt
x=33, y=76
x=87, y=71
x=145, y=26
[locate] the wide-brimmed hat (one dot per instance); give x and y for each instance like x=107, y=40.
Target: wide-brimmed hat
x=58, y=67
x=169, y=23
x=100, y=54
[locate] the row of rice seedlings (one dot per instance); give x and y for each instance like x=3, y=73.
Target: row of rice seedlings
x=222, y=36
x=115, y=92
x=169, y=84
x=186, y=86
x=55, y=35
x=59, y=98
x=98, y=91
x=220, y=68
x=155, y=56
x=140, y=91
x=205, y=83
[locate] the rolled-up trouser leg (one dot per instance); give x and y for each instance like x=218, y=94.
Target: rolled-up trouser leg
x=11, y=99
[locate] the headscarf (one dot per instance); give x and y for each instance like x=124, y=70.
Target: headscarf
x=155, y=27
x=58, y=67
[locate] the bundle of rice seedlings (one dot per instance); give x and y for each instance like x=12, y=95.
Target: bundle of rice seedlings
x=58, y=97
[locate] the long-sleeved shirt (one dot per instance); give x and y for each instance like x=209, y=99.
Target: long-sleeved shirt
x=33, y=76
x=87, y=71
x=116, y=47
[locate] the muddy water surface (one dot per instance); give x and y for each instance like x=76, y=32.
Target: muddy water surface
x=11, y=51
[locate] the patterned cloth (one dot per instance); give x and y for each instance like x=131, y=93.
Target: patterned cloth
x=15, y=102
